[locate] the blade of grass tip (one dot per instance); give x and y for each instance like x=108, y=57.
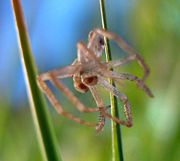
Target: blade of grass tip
x=117, y=149
x=40, y=114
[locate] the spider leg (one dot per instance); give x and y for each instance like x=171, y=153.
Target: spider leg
x=103, y=83
x=126, y=76
x=62, y=72
x=90, y=54
x=57, y=105
x=123, y=45
x=100, y=104
x=82, y=54
x=119, y=62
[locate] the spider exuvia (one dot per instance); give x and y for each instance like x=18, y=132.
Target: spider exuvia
x=88, y=71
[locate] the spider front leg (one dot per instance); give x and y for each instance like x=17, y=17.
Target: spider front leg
x=123, y=45
x=103, y=83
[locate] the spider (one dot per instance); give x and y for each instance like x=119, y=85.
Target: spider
x=88, y=71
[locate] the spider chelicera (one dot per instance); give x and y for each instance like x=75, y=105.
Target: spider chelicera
x=88, y=71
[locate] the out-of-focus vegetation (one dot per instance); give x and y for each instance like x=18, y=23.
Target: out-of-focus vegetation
x=152, y=27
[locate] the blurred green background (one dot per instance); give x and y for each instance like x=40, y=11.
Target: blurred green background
x=151, y=27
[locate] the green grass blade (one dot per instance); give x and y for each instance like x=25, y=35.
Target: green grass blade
x=117, y=151
x=39, y=111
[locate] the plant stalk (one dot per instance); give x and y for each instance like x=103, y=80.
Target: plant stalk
x=117, y=149
x=40, y=114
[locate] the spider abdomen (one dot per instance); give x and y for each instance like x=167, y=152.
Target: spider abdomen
x=79, y=85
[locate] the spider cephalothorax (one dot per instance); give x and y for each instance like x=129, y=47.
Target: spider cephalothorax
x=88, y=71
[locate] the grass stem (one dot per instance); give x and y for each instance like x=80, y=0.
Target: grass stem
x=117, y=149
x=39, y=111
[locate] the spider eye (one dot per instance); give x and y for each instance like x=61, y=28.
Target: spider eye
x=101, y=41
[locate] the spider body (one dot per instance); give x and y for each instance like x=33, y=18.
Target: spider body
x=88, y=71
x=89, y=65
x=84, y=78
